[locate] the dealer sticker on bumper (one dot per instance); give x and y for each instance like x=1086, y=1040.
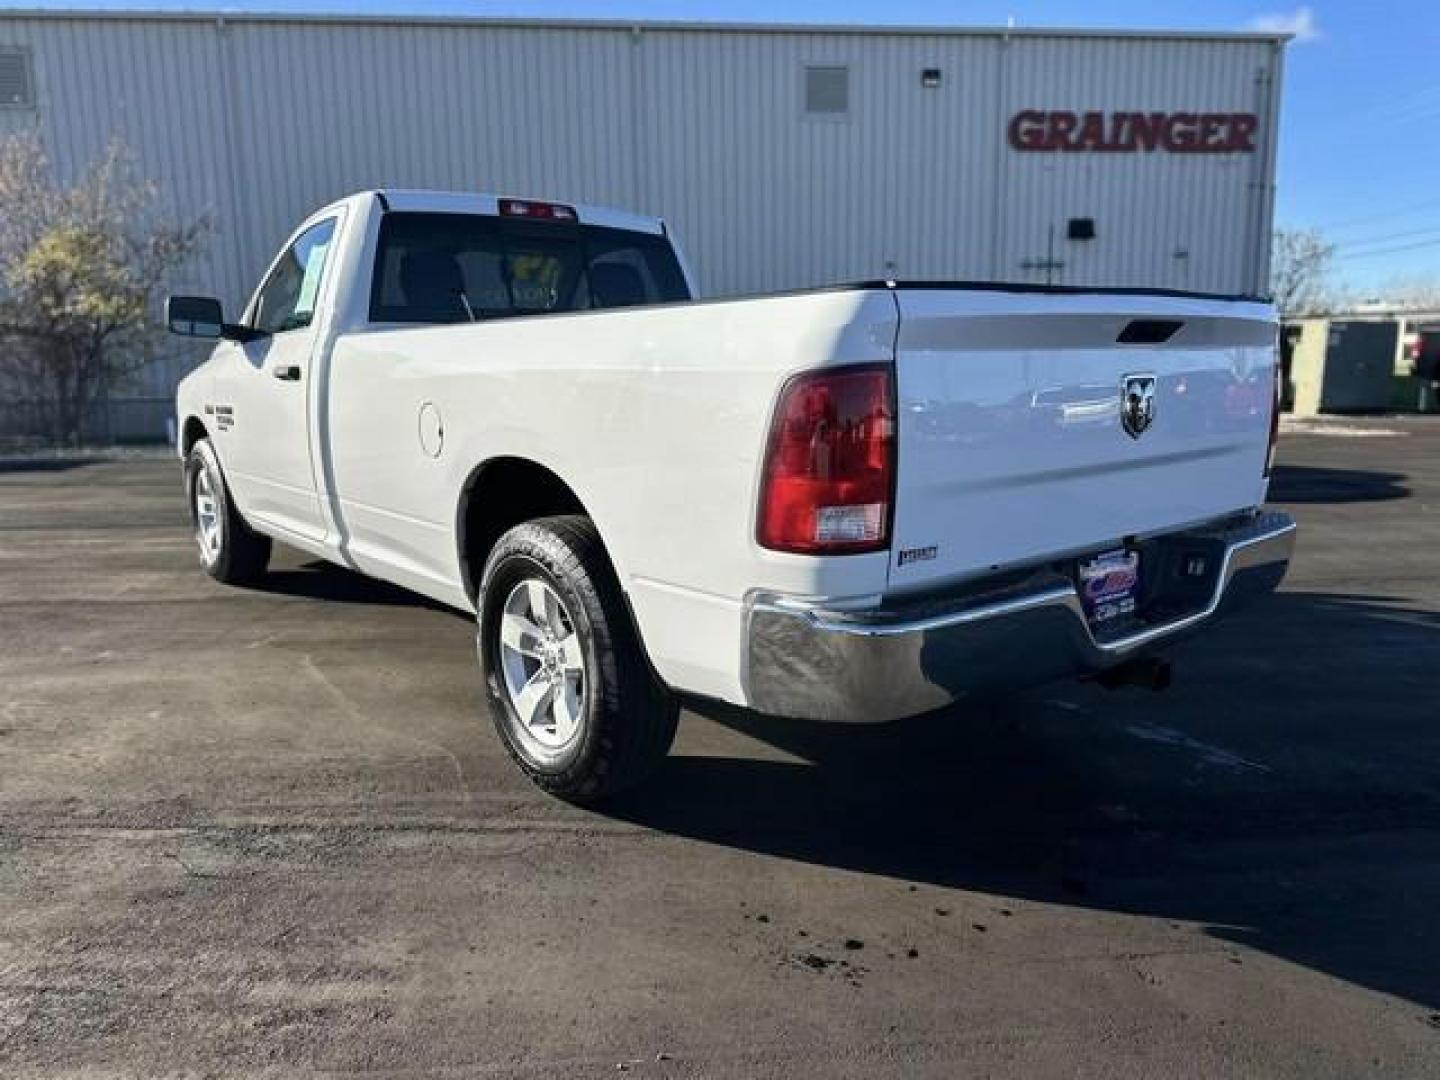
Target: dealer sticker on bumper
x=1109, y=585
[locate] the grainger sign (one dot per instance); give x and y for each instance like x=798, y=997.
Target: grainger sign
x=1133, y=132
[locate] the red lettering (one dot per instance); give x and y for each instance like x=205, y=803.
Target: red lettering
x=1062, y=125
x=1092, y=134
x=1211, y=125
x=1095, y=131
x=1147, y=129
x=1242, y=126
x=1027, y=131
x=1179, y=135
x=1122, y=134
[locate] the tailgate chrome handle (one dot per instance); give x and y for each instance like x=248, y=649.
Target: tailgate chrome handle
x=288, y=372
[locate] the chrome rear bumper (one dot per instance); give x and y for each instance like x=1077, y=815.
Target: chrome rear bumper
x=883, y=664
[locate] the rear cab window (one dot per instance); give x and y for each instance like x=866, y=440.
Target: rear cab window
x=448, y=268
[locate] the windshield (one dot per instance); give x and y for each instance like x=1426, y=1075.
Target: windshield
x=444, y=268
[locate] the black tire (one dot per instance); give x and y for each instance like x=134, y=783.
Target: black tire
x=239, y=555
x=626, y=717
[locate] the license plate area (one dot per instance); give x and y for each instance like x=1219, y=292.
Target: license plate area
x=1109, y=587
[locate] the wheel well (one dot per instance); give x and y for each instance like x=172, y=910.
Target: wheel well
x=503, y=493
x=191, y=433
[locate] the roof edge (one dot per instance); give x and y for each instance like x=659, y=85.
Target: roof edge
x=221, y=15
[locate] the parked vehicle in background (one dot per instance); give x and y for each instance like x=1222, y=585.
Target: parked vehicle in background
x=1422, y=349
x=847, y=504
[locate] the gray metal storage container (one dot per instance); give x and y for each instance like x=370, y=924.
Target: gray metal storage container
x=1343, y=365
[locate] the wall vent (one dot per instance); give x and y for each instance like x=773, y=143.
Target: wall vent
x=17, y=89
x=827, y=91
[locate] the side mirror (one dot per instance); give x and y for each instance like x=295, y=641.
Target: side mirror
x=201, y=316
x=194, y=316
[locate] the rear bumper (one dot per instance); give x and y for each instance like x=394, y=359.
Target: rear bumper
x=883, y=664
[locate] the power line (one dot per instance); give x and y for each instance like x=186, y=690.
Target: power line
x=1345, y=223
x=1371, y=241
x=1387, y=251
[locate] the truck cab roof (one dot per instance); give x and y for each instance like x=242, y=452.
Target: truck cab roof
x=461, y=202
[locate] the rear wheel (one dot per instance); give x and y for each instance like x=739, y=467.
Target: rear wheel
x=569, y=687
x=230, y=551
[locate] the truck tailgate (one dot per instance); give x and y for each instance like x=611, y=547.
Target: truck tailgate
x=1013, y=448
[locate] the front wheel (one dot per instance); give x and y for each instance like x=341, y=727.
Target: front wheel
x=230, y=551
x=569, y=687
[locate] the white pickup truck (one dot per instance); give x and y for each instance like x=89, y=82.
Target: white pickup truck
x=853, y=503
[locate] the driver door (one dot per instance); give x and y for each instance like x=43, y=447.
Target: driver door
x=265, y=385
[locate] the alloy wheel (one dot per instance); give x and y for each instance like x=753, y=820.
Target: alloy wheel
x=543, y=664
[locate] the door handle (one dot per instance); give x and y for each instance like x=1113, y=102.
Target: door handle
x=288, y=372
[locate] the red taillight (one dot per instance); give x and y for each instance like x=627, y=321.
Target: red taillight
x=538, y=211
x=830, y=466
x=1275, y=417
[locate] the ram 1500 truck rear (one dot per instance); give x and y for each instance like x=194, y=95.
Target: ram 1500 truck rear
x=851, y=504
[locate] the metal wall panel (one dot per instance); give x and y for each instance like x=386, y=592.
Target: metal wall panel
x=324, y=110
x=768, y=197
x=147, y=83
x=1149, y=208
x=258, y=120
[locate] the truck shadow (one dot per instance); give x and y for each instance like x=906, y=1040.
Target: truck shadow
x=1290, y=806
x=45, y=465
x=320, y=580
x=1313, y=484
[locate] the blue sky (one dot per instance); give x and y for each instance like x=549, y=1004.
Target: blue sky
x=1359, y=149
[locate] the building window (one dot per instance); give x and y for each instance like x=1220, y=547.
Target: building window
x=827, y=91
x=17, y=88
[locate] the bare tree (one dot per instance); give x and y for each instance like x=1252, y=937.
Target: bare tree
x=1299, y=268
x=81, y=268
x=1415, y=293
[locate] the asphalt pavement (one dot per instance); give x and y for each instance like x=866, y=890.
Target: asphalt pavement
x=271, y=832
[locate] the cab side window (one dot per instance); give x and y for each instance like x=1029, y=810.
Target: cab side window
x=287, y=299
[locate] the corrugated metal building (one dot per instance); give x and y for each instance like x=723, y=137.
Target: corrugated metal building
x=783, y=156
